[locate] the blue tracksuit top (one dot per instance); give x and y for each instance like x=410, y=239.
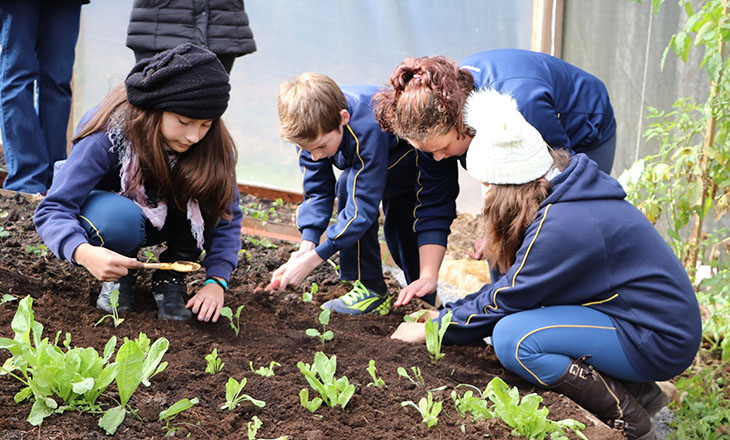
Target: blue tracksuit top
x=567, y=105
x=364, y=148
x=91, y=165
x=615, y=261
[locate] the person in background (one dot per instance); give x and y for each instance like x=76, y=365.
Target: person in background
x=38, y=41
x=593, y=303
x=152, y=164
x=335, y=127
x=222, y=26
x=424, y=101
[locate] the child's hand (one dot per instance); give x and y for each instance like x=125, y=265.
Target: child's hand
x=102, y=263
x=420, y=287
x=414, y=332
x=207, y=302
x=294, y=271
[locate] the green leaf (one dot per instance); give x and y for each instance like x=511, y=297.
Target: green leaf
x=227, y=312
x=83, y=386
x=178, y=407
x=112, y=418
x=151, y=364
x=42, y=408
x=312, y=332
x=130, y=359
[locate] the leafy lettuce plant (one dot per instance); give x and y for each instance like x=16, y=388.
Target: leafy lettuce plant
x=435, y=334
x=377, y=381
x=228, y=313
x=428, y=408
x=324, y=320
x=472, y=402
x=265, y=371
x=332, y=391
x=417, y=378
x=307, y=295
x=234, y=395
x=214, y=364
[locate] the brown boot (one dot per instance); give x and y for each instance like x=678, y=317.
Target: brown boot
x=607, y=398
x=648, y=394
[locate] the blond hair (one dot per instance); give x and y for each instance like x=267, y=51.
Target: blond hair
x=309, y=106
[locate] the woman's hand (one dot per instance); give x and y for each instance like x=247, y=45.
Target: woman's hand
x=207, y=302
x=420, y=288
x=104, y=264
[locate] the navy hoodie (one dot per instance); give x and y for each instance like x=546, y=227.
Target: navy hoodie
x=588, y=246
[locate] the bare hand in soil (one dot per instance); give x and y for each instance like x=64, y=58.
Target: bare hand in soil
x=414, y=332
x=104, y=264
x=419, y=288
x=296, y=269
x=478, y=253
x=207, y=302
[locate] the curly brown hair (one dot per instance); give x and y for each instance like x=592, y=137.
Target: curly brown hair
x=509, y=210
x=206, y=172
x=424, y=98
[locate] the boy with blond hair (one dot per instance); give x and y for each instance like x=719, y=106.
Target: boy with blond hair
x=335, y=127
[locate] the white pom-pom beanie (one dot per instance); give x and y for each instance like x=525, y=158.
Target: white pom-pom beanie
x=506, y=148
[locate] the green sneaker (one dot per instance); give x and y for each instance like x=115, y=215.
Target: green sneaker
x=360, y=300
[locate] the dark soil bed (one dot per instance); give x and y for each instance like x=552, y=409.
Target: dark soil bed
x=272, y=329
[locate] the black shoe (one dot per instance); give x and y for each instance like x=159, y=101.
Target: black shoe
x=125, y=286
x=169, y=293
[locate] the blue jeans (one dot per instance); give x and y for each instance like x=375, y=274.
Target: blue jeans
x=117, y=223
x=539, y=344
x=38, y=39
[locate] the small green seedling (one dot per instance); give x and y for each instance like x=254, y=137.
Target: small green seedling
x=4, y=233
x=234, y=395
x=377, y=381
x=262, y=242
x=168, y=415
x=417, y=378
x=114, y=302
x=149, y=256
x=331, y=390
x=326, y=335
x=40, y=250
x=418, y=315
x=472, y=401
x=435, y=334
x=428, y=409
x=308, y=295
x=7, y=298
x=246, y=254
x=265, y=371
x=228, y=313
x=214, y=363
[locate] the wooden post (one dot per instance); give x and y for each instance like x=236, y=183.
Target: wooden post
x=547, y=26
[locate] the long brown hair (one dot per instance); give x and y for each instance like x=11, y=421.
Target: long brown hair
x=509, y=210
x=424, y=98
x=205, y=172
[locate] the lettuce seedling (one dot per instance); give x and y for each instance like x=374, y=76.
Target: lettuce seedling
x=214, y=363
x=265, y=371
x=138, y=363
x=253, y=427
x=435, y=334
x=234, y=395
x=332, y=391
x=7, y=298
x=428, y=409
x=469, y=402
x=326, y=335
x=417, y=378
x=377, y=381
x=168, y=415
x=114, y=302
x=308, y=295
x=418, y=315
x=526, y=417
x=228, y=313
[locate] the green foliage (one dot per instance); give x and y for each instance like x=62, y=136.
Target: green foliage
x=149, y=256
x=469, y=403
x=114, y=302
x=234, y=395
x=428, y=408
x=308, y=295
x=253, y=427
x=265, y=371
x=228, y=313
x=526, y=416
x=168, y=415
x=703, y=413
x=262, y=242
x=214, y=364
x=259, y=212
x=325, y=335
x=377, y=381
x=321, y=377
x=4, y=233
x=418, y=315
x=40, y=250
x=417, y=378
x=7, y=298
x=435, y=334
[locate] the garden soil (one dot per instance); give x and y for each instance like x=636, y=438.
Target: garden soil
x=272, y=329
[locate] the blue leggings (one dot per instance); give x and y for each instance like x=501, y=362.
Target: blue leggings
x=539, y=344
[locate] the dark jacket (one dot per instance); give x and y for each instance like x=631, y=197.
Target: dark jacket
x=365, y=149
x=568, y=106
x=220, y=25
x=93, y=164
x=615, y=262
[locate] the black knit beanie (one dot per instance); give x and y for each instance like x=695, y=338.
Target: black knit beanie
x=188, y=80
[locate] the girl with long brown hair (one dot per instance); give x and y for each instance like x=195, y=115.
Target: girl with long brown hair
x=152, y=163
x=592, y=303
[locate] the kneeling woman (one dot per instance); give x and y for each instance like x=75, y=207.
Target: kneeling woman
x=152, y=163
x=592, y=303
